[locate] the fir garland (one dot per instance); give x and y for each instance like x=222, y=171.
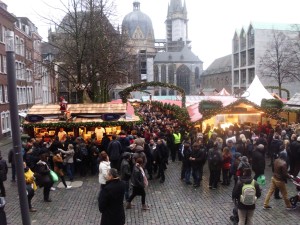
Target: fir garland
x=137, y=87
x=209, y=106
x=283, y=89
x=81, y=124
x=269, y=113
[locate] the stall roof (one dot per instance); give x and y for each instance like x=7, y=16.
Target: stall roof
x=94, y=108
x=51, y=109
x=256, y=92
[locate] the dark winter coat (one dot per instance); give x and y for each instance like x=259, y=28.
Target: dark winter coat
x=3, y=170
x=42, y=174
x=258, y=162
x=110, y=203
x=125, y=170
x=114, y=150
x=237, y=191
x=275, y=146
x=199, y=155
x=137, y=178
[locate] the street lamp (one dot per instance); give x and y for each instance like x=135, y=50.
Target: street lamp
x=15, y=125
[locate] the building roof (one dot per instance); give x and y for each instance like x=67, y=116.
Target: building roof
x=275, y=26
x=138, y=20
x=219, y=65
x=295, y=100
x=185, y=55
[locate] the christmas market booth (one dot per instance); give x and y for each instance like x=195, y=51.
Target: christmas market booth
x=79, y=120
x=242, y=111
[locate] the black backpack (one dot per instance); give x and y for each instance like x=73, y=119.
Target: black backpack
x=83, y=151
x=214, y=158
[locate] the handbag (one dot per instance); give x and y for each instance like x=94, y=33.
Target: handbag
x=53, y=176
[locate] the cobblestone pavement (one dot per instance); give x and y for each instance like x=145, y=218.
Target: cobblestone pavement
x=170, y=203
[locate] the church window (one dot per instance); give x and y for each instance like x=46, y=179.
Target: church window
x=236, y=43
x=236, y=60
x=156, y=75
x=251, y=74
x=183, y=78
x=243, y=58
x=197, y=73
x=171, y=69
x=163, y=74
x=164, y=92
x=243, y=77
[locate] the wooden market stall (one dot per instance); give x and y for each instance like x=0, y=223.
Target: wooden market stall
x=79, y=120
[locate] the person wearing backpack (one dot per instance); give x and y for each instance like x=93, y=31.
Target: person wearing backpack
x=246, y=192
x=214, y=165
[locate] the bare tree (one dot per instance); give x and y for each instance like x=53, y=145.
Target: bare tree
x=278, y=62
x=91, y=53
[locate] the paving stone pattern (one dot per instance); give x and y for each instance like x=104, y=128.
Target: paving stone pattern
x=171, y=203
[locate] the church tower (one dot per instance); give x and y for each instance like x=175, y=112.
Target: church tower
x=176, y=26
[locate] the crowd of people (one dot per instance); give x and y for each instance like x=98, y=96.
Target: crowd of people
x=141, y=153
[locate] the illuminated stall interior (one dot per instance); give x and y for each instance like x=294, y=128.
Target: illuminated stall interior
x=235, y=113
x=79, y=120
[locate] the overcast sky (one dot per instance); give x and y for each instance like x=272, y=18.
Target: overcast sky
x=211, y=26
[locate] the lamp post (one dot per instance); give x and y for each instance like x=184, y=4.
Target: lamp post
x=15, y=126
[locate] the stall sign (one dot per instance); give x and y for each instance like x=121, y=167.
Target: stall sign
x=110, y=117
x=34, y=118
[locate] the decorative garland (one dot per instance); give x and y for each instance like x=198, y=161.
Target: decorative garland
x=229, y=108
x=180, y=113
x=283, y=89
x=84, y=124
x=137, y=87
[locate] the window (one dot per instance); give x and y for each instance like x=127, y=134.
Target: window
x=171, y=69
x=5, y=94
x=243, y=58
x=4, y=64
x=1, y=33
x=251, y=74
x=236, y=43
x=156, y=75
x=183, y=78
x=163, y=74
x=5, y=122
x=251, y=57
x=251, y=38
x=236, y=60
x=1, y=63
x=243, y=77
x=22, y=47
x=1, y=94
x=243, y=40
x=236, y=78
x=17, y=45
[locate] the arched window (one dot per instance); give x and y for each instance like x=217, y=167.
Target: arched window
x=156, y=75
x=171, y=69
x=183, y=78
x=197, y=73
x=163, y=74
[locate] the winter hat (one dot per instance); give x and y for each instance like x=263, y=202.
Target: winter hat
x=244, y=159
x=260, y=146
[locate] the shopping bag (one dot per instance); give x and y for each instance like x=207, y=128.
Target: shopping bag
x=54, y=176
x=261, y=180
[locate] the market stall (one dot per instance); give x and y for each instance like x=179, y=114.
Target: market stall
x=79, y=120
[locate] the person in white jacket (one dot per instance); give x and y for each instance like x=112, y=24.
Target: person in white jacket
x=104, y=167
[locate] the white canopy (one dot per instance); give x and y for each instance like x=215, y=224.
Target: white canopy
x=256, y=92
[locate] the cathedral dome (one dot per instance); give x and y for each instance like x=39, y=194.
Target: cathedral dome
x=137, y=24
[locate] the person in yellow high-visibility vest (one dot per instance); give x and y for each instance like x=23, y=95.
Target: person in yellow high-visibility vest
x=177, y=143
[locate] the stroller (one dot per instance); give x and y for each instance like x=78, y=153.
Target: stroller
x=235, y=216
x=296, y=199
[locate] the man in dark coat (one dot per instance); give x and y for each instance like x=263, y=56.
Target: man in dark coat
x=114, y=151
x=197, y=162
x=258, y=161
x=110, y=200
